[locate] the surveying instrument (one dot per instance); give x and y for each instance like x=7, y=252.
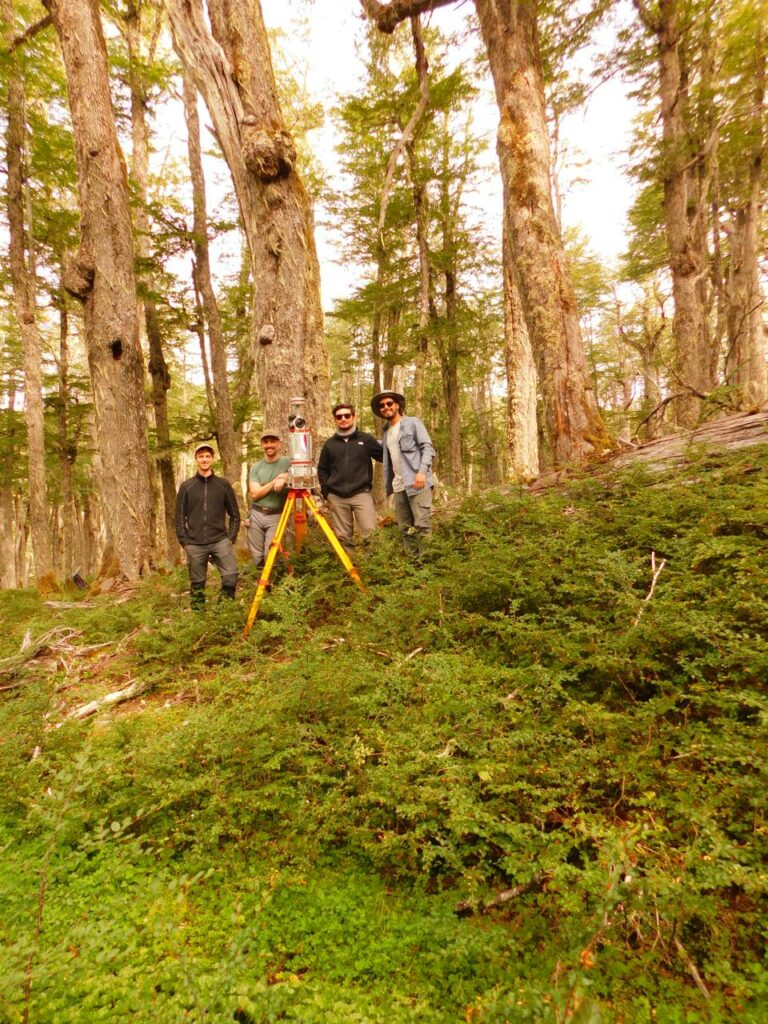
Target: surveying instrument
x=298, y=501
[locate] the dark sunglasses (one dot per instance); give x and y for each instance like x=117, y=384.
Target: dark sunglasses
x=344, y=415
x=386, y=405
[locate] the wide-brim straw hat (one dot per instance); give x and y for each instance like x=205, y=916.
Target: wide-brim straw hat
x=376, y=401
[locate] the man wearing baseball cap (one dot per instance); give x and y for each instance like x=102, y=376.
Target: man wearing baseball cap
x=207, y=523
x=408, y=455
x=268, y=481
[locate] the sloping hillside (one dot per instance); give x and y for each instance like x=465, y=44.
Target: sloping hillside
x=522, y=782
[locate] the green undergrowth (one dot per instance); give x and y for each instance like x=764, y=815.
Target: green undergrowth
x=518, y=782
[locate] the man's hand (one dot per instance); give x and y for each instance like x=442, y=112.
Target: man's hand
x=420, y=482
x=280, y=482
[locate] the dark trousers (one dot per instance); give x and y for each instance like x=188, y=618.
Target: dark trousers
x=222, y=554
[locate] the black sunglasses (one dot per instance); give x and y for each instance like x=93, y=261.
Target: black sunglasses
x=344, y=415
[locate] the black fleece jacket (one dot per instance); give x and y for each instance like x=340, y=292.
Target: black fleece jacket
x=344, y=466
x=202, y=506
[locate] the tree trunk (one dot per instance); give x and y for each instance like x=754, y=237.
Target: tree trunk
x=21, y=266
x=745, y=363
x=692, y=362
x=67, y=451
x=522, y=426
x=221, y=411
x=570, y=417
x=233, y=70
x=158, y=367
x=102, y=277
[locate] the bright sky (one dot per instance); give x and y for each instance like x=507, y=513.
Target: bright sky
x=596, y=192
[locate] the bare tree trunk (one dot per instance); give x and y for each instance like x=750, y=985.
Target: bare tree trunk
x=201, y=269
x=102, y=277
x=67, y=451
x=522, y=426
x=158, y=367
x=692, y=363
x=570, y=417
x=21, y=263
x=233, y=70
x=745, y=362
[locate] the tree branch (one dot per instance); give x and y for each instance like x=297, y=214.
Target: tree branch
x=388, y=16
x=29, y=33
x=410, y=128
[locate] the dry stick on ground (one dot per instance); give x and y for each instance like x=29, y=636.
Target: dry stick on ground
x=692, y=969
x=55, y=639
x=465, y=908
x=134, y=689
x=656, y=571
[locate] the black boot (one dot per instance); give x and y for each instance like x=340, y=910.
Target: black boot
x=228, y=593
x=197, y=596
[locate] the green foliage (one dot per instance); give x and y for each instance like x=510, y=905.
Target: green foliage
x=284, y=828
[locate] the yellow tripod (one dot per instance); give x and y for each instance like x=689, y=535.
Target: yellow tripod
x=296, y=498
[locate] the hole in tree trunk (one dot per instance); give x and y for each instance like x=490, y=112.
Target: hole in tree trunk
x=117, y=348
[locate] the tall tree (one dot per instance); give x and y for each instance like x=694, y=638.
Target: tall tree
x=571, y=420
x=231, y=66
x=23, y=278
x=201, y=271
x=685, y=182
x=138, y=65
x=742, y=157
x=102, y=277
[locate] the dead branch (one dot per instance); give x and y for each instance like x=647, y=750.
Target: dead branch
x=388, y=16
x=656, y=573
x=29, y=33
x=466, y=909
x=56, y=639
x=134, y=689
x=692, y=969
x=410, y=128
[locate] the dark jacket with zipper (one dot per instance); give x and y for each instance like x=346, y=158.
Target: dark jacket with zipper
x=202, y=507
x=344, y=467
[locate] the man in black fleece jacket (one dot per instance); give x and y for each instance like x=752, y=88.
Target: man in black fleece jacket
x=345, y=473
x=203, y=505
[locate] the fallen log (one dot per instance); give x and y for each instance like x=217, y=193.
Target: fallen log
x=134, y=689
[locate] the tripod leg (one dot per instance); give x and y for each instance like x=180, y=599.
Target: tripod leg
x=334, y=542
x=274, y=547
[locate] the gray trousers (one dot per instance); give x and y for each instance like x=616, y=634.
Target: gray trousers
x=261, y=531
x=412, y=512
x=222, y=554
x=345, y=512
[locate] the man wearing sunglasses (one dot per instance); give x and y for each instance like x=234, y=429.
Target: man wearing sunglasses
x=408, y=455
x=345, y=474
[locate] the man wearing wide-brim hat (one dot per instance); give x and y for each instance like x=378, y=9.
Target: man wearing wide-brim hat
x=408, y=455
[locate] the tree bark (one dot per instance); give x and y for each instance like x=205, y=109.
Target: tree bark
x=692, y=362
x=570, y=418
x=522, y=421
x=158, y=367
x=201, y=270
x=21, y=264
x=745, y=362
x=232, y=69
x=102, y=277
x=67, y=450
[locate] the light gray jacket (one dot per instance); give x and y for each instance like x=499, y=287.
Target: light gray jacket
x=416, y=453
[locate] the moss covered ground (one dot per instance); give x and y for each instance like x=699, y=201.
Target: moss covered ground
x=505, y=785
